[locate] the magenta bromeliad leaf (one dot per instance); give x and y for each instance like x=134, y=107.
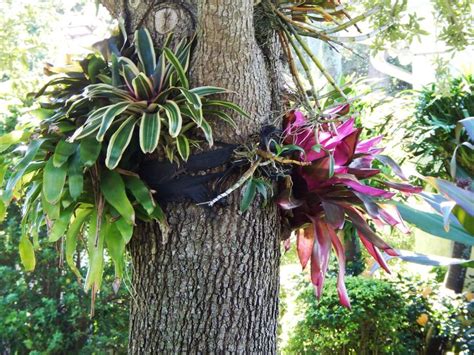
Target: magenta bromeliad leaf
x=333, y=189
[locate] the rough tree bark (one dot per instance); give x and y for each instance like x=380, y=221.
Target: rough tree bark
x=213, y=286
x=456, y=273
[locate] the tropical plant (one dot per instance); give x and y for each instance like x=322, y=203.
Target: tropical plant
x=77, y=174
x=329, y=188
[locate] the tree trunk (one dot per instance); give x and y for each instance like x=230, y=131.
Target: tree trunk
x=213, y=286
x=457, y=273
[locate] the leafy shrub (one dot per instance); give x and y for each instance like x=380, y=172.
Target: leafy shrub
x=47, y=312
x=377, y=323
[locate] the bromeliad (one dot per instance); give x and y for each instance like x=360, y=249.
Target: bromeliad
x=335, y=188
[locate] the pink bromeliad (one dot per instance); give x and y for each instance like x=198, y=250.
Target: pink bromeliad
x=331, y=190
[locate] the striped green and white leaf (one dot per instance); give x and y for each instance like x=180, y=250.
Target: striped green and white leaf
x=129, y=70
x=145, y=50
x=208, y=90
x=182, y=143
x=119, y=142
x=229, y=105
x=142, y=87
x=150, y=128
x=109, y=116
x=180, y=72
x=175, y=121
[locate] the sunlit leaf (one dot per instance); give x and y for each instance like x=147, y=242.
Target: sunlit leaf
x=113, y=189
x=27, y=253
x=54, y=179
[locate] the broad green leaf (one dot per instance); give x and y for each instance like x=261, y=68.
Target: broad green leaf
x=76, y=176
x=115, y=244
x=142, y=87
x=20, y=169
x=113, y=189
x=175, y=121
x=249, y=192
x=208, y=90
x=150, y=127
x=119, y=142
x=62, y=152
x=71, y=237
x=141, y=193
x=60, y=225
x=108, y=118
x=95, y=250
x=89, y=150
x=125, y=229
x=229, y=105
x=27, y=253
x=177, y=66
x=51, y=210
x=145, y=50
x=182, y=144
x=54, y=179
x=433, y=224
